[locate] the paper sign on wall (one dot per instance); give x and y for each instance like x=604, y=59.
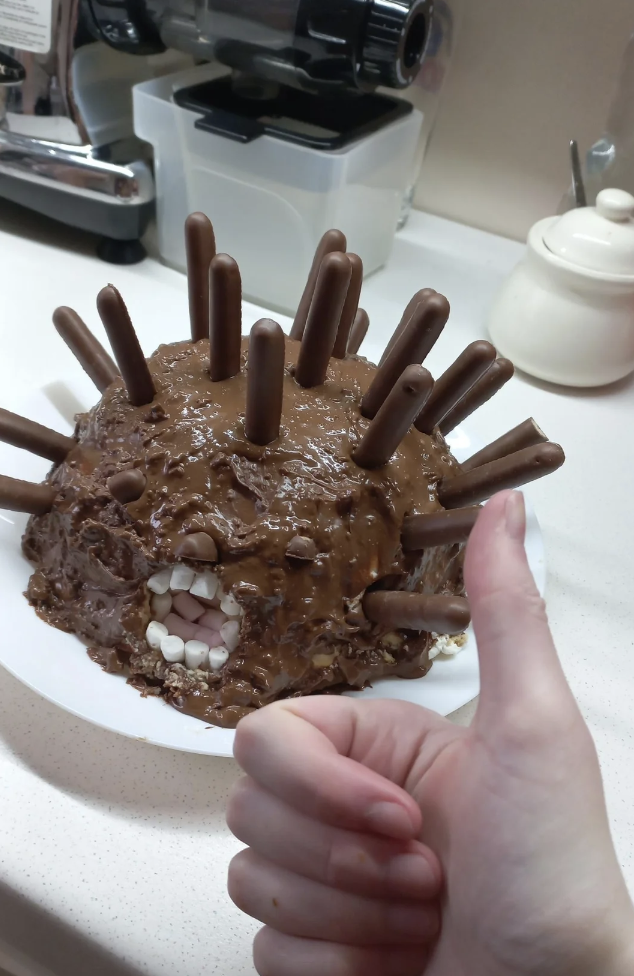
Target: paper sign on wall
x=26, y=25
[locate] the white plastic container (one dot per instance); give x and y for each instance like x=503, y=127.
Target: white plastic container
x=270, y=201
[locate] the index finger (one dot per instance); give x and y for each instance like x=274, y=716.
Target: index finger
x=308, y=767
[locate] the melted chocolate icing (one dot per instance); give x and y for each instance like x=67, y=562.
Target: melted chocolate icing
x=303, y=627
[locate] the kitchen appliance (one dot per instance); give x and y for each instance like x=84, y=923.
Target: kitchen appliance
x=289, y=80
x=427, y=90
x=67, y=146
x=287, y=132
x=566, y=313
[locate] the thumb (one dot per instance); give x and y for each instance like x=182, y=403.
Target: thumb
x=519, y=666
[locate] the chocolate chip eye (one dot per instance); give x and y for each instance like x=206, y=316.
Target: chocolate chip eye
x=198, y=546
x=127, y=486
x=301, y=550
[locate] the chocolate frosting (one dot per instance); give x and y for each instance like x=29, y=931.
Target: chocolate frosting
x=303, y=626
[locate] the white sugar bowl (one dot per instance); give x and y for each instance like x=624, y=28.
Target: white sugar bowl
x=566, y=313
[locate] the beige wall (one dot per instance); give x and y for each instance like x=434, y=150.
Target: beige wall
x=527, y=76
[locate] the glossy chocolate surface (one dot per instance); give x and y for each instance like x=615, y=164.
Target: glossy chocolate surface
x=303, y=628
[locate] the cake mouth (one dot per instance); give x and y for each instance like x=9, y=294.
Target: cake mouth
x=193, y=621
x=196, y=624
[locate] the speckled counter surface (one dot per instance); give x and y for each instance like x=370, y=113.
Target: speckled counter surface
x=113, y=853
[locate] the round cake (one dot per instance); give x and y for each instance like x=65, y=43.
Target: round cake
x=300, y=531
x=240, y=520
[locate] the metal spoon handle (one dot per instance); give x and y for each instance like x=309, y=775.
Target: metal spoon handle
x=579, y=189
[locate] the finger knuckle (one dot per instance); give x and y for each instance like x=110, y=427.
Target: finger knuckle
x=533, y=606
x=275, y=954
x=266, y=953
x=404, y=923
x=514, y=599
x=239, y=881
x=539, y=720
x=251, y=733
x=354, y=961
x=238, y=806
x=340, y=863
x=247, y=738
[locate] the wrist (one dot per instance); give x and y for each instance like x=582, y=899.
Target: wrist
x=608, y=949
x=619, y=959
x=623, y=963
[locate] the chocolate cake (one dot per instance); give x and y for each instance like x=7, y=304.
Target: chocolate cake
x=240, y=520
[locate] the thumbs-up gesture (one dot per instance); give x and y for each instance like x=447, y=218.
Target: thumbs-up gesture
x=384, y=841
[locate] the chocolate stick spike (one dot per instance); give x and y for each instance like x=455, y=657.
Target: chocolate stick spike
x=323, y=320
x=455, y=382
x=358, y=332
x=399, y=610
x=515, y=470
x=90, y=354
x=527, y=434
x=125, y=346
x=25, y=496
x=350, y=308
x=416, y=341
x=404, y=402
x=333, y=240
x=265, y=382
x=200, y=245
x=419, y=298
x=35, y=438
x=225, y=318
x=499, y=373
x=438, y=529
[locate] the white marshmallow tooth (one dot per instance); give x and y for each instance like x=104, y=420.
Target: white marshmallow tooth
x=205, y=585
x=218, y=657
x=196, y=654
x=160, y=582
x=182, y=578
x=173, y=650
x=155, y=634
x=161, y=605
x=230, y=606
x=230, y=633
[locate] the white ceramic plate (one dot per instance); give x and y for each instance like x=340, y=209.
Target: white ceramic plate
x=56, y=665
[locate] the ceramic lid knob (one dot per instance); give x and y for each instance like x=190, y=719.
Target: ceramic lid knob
x=615, y=205
x=597, y=239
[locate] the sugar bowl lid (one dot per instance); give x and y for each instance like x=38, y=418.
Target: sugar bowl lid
x=599, y=239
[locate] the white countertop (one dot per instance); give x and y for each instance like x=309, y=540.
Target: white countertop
x=113, y=853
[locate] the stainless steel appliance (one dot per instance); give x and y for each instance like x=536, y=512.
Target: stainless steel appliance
x=67, y=68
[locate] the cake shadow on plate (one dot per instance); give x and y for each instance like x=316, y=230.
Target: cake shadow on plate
x=242, y=520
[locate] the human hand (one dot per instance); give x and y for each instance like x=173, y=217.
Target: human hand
x=344, y=802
